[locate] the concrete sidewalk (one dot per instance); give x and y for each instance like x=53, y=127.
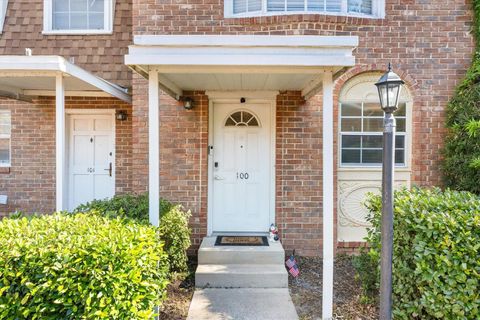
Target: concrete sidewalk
x=242, y=304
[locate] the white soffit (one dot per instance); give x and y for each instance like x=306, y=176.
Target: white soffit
x=35, y=75
x=240, y=62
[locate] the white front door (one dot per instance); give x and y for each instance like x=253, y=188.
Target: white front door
x=91, y=158
x=242, y=163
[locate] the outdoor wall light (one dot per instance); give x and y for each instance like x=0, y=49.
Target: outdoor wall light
x=188, y=103
x=389, y=87
x=121, y=115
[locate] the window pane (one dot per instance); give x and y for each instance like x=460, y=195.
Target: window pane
x=60, y=5
x=373, y=124
x=372, y=141
x=360, y=6
x=4, y=151
x=399, y=142
x=351, y=109
x=78, y=21
x=351, y=125
x=60, y=21
x=96, y=21
x=349, y=141
x=97, y=6
x=333, y=5
x=372, y=110
x=254, y=5
x=78, y=5
x=401, y=111
x=350, y=156
x=372, y=156
x=275, y=5
x=295, y=5
x=400, y=156
x=315, y=5
x=400, y=125
x=239, y=6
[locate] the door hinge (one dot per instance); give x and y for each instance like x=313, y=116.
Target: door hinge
x=210, y=150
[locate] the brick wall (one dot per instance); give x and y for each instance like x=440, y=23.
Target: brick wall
x=30, y=182
x=428, y=43
x=100, y=54
x=183, y=153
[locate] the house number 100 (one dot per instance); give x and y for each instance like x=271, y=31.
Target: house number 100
x=242, y=175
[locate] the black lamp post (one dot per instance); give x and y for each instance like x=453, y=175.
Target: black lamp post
x=389, y=87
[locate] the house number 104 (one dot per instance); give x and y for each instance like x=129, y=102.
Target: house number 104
x=242, y=175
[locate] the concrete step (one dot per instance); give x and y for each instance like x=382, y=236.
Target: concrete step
x=241, y=276
x=211, y=254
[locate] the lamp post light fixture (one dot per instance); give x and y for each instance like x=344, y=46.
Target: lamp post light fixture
x=389, y=87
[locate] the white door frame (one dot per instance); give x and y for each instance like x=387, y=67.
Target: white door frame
x=70, y=112
x=252, y=97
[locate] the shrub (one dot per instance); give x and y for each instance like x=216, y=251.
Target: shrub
x=436, y=266
x=461, y=165
x=367, y=272
x=79, y=266
x=174, y=229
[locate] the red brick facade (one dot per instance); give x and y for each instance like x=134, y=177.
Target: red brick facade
x=428, y=43
x=30, y=181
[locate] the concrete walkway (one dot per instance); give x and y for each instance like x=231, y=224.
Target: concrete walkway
x=242, y=304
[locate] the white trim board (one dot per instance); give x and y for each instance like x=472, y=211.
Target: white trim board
x=50, y=66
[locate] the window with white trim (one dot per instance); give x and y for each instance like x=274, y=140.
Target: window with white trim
x=5, y=138
x=79, y=16
x=3, y=13
x=361, y=134
x=249, y=8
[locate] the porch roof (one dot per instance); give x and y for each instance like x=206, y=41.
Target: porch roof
x=240, y=62
x=23, y=77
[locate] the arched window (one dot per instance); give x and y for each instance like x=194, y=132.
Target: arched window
x=241, y=119
x=361, y=124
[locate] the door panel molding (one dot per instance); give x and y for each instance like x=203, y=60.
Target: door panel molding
x=96, y=170
x=270, y=102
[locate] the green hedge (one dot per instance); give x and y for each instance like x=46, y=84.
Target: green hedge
x=461, y=165
x=174, y=229
x=436, y=267
x=82, y=266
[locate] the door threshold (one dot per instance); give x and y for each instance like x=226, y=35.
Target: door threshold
x=243, y=233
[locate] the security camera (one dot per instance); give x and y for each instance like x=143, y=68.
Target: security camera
x=242, y=100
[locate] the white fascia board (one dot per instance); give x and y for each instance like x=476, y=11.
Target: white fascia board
x=220, y=56
x=245, y=41
x=25, y=66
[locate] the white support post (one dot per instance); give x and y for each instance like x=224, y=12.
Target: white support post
x=328, y=234
x=153, y=149
x=60, y=141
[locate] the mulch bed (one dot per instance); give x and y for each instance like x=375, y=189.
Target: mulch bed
x=306, y=292
x=179, y=293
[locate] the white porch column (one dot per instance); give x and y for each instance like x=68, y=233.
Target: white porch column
x=60, y=141
x=328, y=234
x=153, y=149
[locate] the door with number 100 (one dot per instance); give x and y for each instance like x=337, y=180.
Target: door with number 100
x=241, y=168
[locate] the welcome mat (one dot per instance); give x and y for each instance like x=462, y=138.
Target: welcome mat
x=241, y=241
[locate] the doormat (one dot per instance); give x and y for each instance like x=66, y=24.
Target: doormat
x=241, y=241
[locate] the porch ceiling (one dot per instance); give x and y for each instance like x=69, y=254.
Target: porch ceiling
x=232, y=62
x=24, y=77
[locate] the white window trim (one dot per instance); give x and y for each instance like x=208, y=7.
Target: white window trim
x=9, y=137
x=378, y=11
x=109, y=14
x=3, y=13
